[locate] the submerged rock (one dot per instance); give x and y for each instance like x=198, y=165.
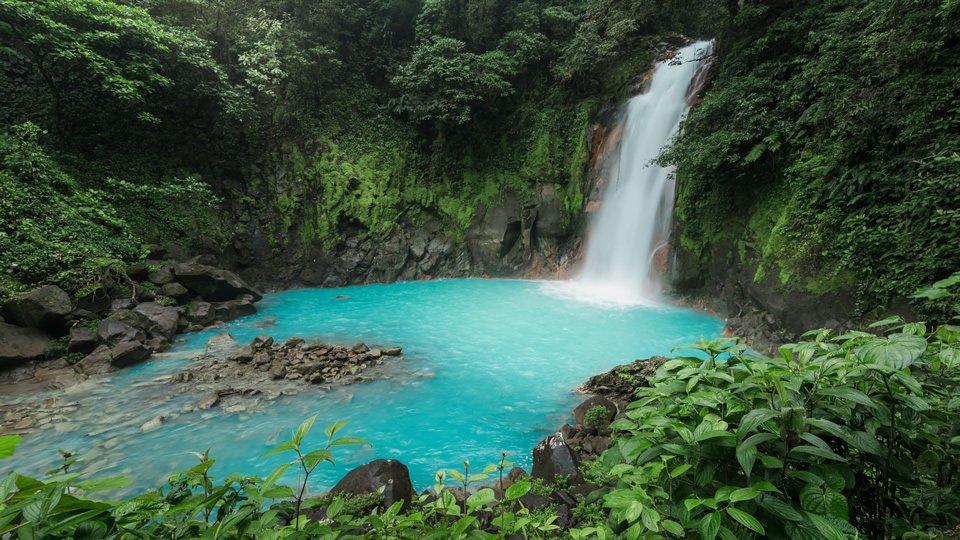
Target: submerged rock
x=153, y=424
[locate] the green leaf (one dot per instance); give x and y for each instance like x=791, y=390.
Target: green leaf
x=677, y=471
x=781, y=509
x=482, y=497
x=899, y=351
x=303, y=430
x=335, y=507
x=713, y=434
x=747, y=456
x=753, y=419
x=7, y=443
x=457, y=475
x=651, y=519
x=103, y=484
x=344, y=441
x=333, y=428
x=311, y=460
x=817, y=451
x=517, y=490
x=746, y=520
x=274, y=476
x=288, y=445
x=850, y=394
x=672, y=527
x=744, y=494
x=826, y=527
x=709, y=525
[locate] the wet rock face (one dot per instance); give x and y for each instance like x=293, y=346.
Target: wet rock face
x=213, y=284
x=513, y=234
x=554, y=457
x=388, y=473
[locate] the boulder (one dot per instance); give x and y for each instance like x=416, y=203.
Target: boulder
x=112, y=331
x=95, y=301
x=580, y=413
x=162, y=275
x=176, y=291
x=139, y=271
x=164, y=318
x=360, y=347
x=244, y=355
x=177, y=253
x=379, y=473
x=121, y=304
x=129, y=352
x=201, y=313
x=97, y=362
x=278, y=371
x=82, y=339
x=392, y=351
x=44, y=308
x=208, y=401
x=21, y=344
x=213, y=284
x=554, y=457
x=132, y=318
x=261, y=342
x=233, y=309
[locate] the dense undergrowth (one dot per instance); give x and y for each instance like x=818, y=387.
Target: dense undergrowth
x=828, y=145
x=855, y=435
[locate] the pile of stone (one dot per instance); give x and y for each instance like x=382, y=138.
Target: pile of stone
x=126, y=316
x=244, y=379
x=314, y=363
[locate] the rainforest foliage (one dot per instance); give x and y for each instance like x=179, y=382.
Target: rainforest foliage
x=829, y=144
x=305, y=118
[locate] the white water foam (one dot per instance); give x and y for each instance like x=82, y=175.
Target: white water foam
x=637, y=202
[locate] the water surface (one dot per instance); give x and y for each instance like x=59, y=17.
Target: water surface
x=489, y=366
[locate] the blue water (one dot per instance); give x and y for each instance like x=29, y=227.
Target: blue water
x=501, y=359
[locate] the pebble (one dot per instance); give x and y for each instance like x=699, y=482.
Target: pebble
x=25, y=423
x=153, y=424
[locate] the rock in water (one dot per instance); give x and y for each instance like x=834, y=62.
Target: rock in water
x=376, y=474
x=221, y=342
x=208, y=401
x=154, y=424
x=129, y=352
x=552, y=457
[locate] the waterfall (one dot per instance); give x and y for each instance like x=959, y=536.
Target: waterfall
x=637, y=201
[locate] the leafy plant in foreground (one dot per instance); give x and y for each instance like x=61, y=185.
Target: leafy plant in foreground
x=842, y=436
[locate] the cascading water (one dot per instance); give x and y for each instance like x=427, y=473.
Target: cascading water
x=634, y=221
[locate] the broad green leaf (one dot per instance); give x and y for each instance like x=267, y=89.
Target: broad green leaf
x=916, y=403
x=333, y=428
x=753, y=419
x=283, y=447
x=457, y=475
x=477, y=477
x=709, y=525
x=103, y=484
x=316, y=457
x=899, y=351
x=817, y=451
x=345, y=441
x=517, y=490
x=7, y=443
x=677, y=471
x=651, y=519
x=781, y=509
x=482, y=497
x=335, y=507
x=713, y=434
x=274, y=476
x=850, y=394
x=672, y=527
x=746, y=520
x=826, y=527
x=303, y=429
x=744, y=494
x=491, y=468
